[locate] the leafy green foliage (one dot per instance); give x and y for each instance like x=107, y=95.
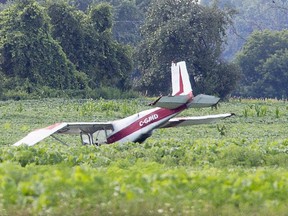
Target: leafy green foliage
x=101, y=17
x=264, y=65
x=87, y=40
x=128, y=19
x=30, y=56
x=110, y=108
x=53, y=46
x=185, y=30
x=277, y=112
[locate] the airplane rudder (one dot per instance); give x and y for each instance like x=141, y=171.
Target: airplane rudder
x=187, y=88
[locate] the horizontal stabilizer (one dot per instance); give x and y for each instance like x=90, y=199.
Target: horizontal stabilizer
x=202, y=100
x=170, y=102
x=186, y=121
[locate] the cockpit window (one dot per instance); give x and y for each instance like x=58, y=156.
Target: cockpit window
x=100, y=136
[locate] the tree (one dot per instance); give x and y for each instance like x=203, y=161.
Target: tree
x=127, y=21
x=67, y=28
x=87, y=40
x=114, y=63
x=81, y=4
x=128, y=16
x=184, y=30
x=30, y=57
x=101, y=17
x=1, y=84
x=258, y=60
x=275, y=75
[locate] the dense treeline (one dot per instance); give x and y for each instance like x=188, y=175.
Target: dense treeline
x=54, y=46
x=86, y=46
x=78, y=46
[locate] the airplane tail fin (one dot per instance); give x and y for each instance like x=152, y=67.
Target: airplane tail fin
x=182, y=91
x=181, y=88
x=180, y=79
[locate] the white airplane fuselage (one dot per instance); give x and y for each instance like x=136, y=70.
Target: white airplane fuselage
x=138, y=127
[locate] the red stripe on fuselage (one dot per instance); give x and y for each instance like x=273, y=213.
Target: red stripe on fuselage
x=137, y=125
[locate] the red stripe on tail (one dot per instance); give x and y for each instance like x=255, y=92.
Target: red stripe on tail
x=181, y=85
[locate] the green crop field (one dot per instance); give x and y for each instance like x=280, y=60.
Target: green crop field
x=238, y=166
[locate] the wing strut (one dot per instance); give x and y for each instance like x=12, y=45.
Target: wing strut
x=59, y=140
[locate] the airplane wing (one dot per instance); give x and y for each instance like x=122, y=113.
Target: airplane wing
x=186, y=121
x=63, y=128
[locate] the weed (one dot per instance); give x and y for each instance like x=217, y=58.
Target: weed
x=246, y=112
x=19, y=108
x=221, y=129
x=277, y=112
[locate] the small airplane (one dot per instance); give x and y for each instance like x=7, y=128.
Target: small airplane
x=138, y=127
